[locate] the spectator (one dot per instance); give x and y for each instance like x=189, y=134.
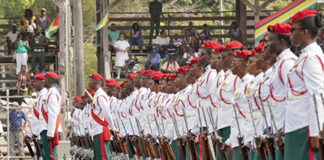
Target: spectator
x=191, y=29
x=153, y=61
x=43, y=20
x=16, y=118
x=121, y=47
x=11, y=38
x=47, y=69
x=162, y=41
x=171, y=65
x=28, y=22
x=22, y=47
x=177, y=43
x=155, y=9
x=188, y=40
x=113, y=34
x=235, y=32
x=38, y=44
x=130, y=64
x=136, y=36
x=205, y=34
x=24, y=80
x=188, y=56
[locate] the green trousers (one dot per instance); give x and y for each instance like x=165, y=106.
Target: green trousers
x=37, y=58
x=49, y=148
x=298, y=147
x=224, y=133
x=175, y=149
x=101, y=148
x=42, y=150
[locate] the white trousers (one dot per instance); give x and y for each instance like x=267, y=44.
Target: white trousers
x=21, y=59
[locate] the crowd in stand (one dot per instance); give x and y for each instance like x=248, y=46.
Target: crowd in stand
x=174, y=52
x=25, y=40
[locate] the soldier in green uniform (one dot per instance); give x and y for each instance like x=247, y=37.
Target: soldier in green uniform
x=39, y=42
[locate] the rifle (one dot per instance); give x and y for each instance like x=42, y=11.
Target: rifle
x=38, y=153
x=163, y=149
x=127, y=138
x=203, y=138
x=31, y=152
x=137, y=146
x=320, y=138
x=190, y=141
x=244, y=151
x=121, y=143
x=269, y=138
x=179, y=139
x=221, y=153
x=257, y=138
x=154, y=151
x=167, y=145
x=280, y=140
x=141, y=138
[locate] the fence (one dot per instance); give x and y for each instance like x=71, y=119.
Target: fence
x=15, y=126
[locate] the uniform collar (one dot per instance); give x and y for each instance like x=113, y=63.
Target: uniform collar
x=308, y=47
x=43, y=91
x=284, y=53
x=52, y=89
x=99, y=90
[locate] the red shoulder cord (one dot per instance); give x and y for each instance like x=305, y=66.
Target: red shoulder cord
x=202, y=97
x=259, y=92
x=211, y=101
x=169, y=113
x=176, y=111
x=272, y=96
x=235, y=82
x=301, y=76
x=149, y=95
x=221, y=96
x=294, y=92
x=208, y=77
x=320, y=62
x=256, y=103
x=239, y=110
x=218, y=81
x=279, y=70
x=190, y=102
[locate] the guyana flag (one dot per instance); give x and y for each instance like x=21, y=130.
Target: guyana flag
x=103, y=21
x=52, y=28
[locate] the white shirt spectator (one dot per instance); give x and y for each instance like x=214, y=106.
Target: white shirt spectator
x=12, y=36
x=162, y=41
x=186, y=55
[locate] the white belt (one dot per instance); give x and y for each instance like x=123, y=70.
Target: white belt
x=274, y=103
x=290, y=96
x=222, y=104
x=191, y=113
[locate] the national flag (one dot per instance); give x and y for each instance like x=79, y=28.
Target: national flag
x=103, y=21
x=281, y=16
x=52, y=28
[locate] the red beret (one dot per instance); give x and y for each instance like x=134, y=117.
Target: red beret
x=259, y=47
x=280, y=28
x=182, y=69
x=194, y=60
x=147, y=72
x=77, y=98
x=157, y=76
x=123, y=84
x=117, y=85
x=131, y=76
x=52, y=75
x=110, y=81
x=205, y=44
x=252, y=52
x=111, y=85
x=169, y=76
x=96, y=76
x=241, y=54
x=39, y=77
x=140, y=72
x=90, y=91
x=233, y=45
x=301, y=15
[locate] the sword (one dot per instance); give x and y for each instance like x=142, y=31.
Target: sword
x=130, y=122
x=148, y=121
